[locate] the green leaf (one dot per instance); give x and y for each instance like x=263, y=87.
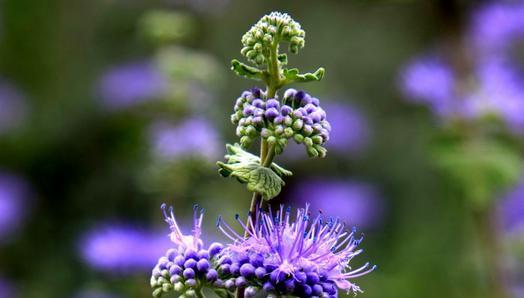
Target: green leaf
x=246, y=168
x=246, y=71
x=293, y=76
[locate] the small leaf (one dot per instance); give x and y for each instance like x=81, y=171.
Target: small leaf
x=246, y=71
x=266, y=182
x=293, y=76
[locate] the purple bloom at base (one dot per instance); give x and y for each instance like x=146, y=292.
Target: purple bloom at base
x=13, y=107
x=192, y=137
x=353, y=201
x=7, y=290
x=494, y=27
x=429, y=80
x=511, y=209
x=305, y=257
x=188, y=266
x=349, y=128
x=13, y=199
x=122, y=249
x=129, y=84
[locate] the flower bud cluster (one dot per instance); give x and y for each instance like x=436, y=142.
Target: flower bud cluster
x=268, y=32
x=298, y=116
x=249, y=272
x=186, y=271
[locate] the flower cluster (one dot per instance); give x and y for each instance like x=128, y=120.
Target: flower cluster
x=189, y=267
x=298, y=116
x=307, y=257
x=267, y=33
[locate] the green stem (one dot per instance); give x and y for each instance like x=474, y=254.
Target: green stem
x=199, y=293
x=487, y=234
x=266, y=154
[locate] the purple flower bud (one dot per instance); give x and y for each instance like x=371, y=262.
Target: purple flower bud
x=203, y=254
x=256, y=92
x=242, y=122
x=329, y=288
x=265, y=133
x=307, y=290
x=260, y=272
x=316, y=117
x=317, y=128
x=272, y=103
x=247, y=270
x=189, y=273
x=256, y=260
x=286, y=110
x=248, y=111
x=277, y=276
x=240, y=281
x=190, y=254
x=190, y=263
x=171, y=254
x=179, y=260
x=271, y=113
x=202, y=265
x=250, y=292
x=175, y=270
x=317, y=290
x=215, y=248
x=211, y=275
x=175, y=278
x=300, y=277
x=300, y=95
x=268, y=287
x=298, y=114
x=225, y=269
x=234, y=268
x=290, y=93
x=290, y=285
x=258, y=120
x=258, y=112
x=218, y=283
x=310, y=108
x=258, y=103
x=191, y=282
x=288, y=121
x=240, y=101
x=225, y=260
x=315, y=101
x=278, y=120
x=162, y=263
x=312, y=278
x=307, y=129
x=229, y=284
x=308, y=120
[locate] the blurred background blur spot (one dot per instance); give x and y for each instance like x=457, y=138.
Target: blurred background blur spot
x=110, y=107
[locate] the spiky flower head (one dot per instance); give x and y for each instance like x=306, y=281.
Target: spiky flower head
x=304, y=257
x=297, y=116
x=268, y=32
x=188, y=266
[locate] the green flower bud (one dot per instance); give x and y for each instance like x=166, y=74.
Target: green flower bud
x=317, y=139
x=245, y=141
x=251, y=131
x=312, y=152
x=297, y=125
x=288, y=132
x=321, y=150
x=282, y=142
x=167, y=287
x=178, y=286
x=271, y=140
x=190, y=293
x=298, y=138
x=308, y=142
x=157, y=292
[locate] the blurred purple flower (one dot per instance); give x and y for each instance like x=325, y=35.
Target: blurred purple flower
x=129, y=84
x=194, y=136
x=349, y=128
x=13, y=107
x=354, y=202
x=511, y=209
x=13, y=200
x=122, y=248
x=6, y=289
x=495, y=26
x=429, y=80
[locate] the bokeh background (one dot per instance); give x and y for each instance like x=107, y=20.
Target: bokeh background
x=109, y=108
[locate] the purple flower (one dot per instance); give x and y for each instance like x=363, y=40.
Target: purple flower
x=429, y=80
x=351, y=201
x=130, y=84
x=511, y=209
x=14, y=193
x=194, y=136
x=7, y=290
x=121, y=248
x=13, y=107
x=306, y=256
x=189, y=265
x=349, y=128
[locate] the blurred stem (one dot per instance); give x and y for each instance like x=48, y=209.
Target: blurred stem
x=266, y=154
x=200, y=294
x=488, y=237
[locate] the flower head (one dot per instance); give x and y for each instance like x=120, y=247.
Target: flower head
x=305, y=257
x=188, y=266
